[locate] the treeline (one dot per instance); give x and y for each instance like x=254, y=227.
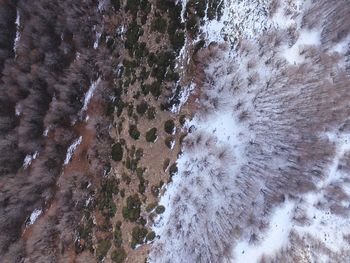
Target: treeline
x=42, y=89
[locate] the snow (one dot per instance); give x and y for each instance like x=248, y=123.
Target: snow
x=172, y=145
x=34, y=216
x=185, y=94
x=226, y=163
x=29, y=159
x=307, y=38
x=18, y=110
x=71, y=150
x=280, y=19
x=46, y=132
x=90, y=93
x=325, y=227
x=18, y=33
x=342, y=142
x=97, y=39
x=276, y=237
x=341, y=47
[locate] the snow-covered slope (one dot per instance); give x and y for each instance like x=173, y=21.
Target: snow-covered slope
x=264, y=175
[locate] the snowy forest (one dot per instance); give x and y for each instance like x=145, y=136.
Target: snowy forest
x=167, y=131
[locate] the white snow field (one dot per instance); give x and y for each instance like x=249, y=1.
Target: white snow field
x=265, y=172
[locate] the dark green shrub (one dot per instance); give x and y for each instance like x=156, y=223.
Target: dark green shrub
x=118, y=238
x=144, y=74
x=192, y=26
x=138, y=154
x=169, y=141
x=173, y=169
x=150, y=207
x=182, y=120
x=134, y=132
x=132, y=35
x=199, y=45
x=160, y=209
x=159, y=24
x=142, y=108
x=151, y=113
x=150, y=236
x=118, y=255
x=142, y=185
x=132, y=209
x=140, y=171
x=152, y=59
x=102, y=248
x=115, y=4
x=140, y=50
x=138, y=235
x=132, y=6
x=169, y=127
x=151, y=135
x=105, y=202
x=177, y=40
x=199, y=7
x=155, y=89
x=117, y=152
x=126, y=178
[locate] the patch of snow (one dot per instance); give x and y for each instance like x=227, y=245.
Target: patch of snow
x=281, y=20
x=29, y=159
x=18, y=32
x=90, y=93
x=71, y=150
x=275, y=238
x=324, y=226
x=34, y=216
x=18, y=110
x=307, y=38
x=185, y=94
x=46, y=131
x=172, y=145
x=342, y=142
x=342, y=47
x=97, y=39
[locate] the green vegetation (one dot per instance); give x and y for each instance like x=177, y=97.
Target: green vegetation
x=103, y=246
x=173, y=169
x=182, y=120
x=117, y=152
x=134, y=132
x=132, y=209
x=151, y=236
x=138, y=235
x=115, y=4
x=132, y=35
x=118, y=255
x=169, y=141
x=118, y=239
x=150, y=207
x=126, y=178
x=151, y=113
x=159, y=24
x=169, y=126
x=160, y=209
x=105, y=203
x=151, y=135
x=142, y=107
